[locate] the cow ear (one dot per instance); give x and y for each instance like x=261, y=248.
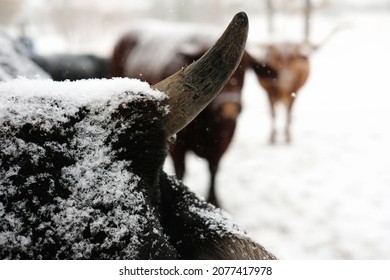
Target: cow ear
x=198, y=230
x=234, y=247
x=263, y=69
x=191, y=89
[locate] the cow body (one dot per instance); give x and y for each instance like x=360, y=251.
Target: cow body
x=81, y=168
x=63, y=67
x=290, y=64
x=210, y=133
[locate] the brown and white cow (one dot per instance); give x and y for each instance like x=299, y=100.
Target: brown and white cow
x=290, y=64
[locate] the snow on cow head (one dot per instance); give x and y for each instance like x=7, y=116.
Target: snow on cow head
x=74, y=158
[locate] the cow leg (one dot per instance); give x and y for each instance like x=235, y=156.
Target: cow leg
x=178, y=158
x=272, y=139
x=288, y=121
x=212, y=196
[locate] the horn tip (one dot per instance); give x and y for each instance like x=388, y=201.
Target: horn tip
x=241, y=16
x=240, y=21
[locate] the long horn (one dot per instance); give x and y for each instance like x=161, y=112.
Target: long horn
x=191, y=89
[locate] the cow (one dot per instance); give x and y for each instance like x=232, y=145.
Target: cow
x=73, y=67
x=81, y=166
x=290, y=64
x=211, y=132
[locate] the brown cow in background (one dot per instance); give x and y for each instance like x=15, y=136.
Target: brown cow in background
x=211, y=132
x=290, y=62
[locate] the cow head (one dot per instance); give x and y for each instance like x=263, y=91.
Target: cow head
x=81, y=167
x=286, y=67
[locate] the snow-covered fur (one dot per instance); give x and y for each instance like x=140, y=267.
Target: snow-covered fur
x=198, y=230
x=81, y=177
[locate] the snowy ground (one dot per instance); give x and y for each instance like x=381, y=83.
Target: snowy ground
x=325, y=196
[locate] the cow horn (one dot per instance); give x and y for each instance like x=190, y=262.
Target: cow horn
x=191, y=89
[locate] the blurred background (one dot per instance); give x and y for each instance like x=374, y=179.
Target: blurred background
x=94, y=25
x=326, y=194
